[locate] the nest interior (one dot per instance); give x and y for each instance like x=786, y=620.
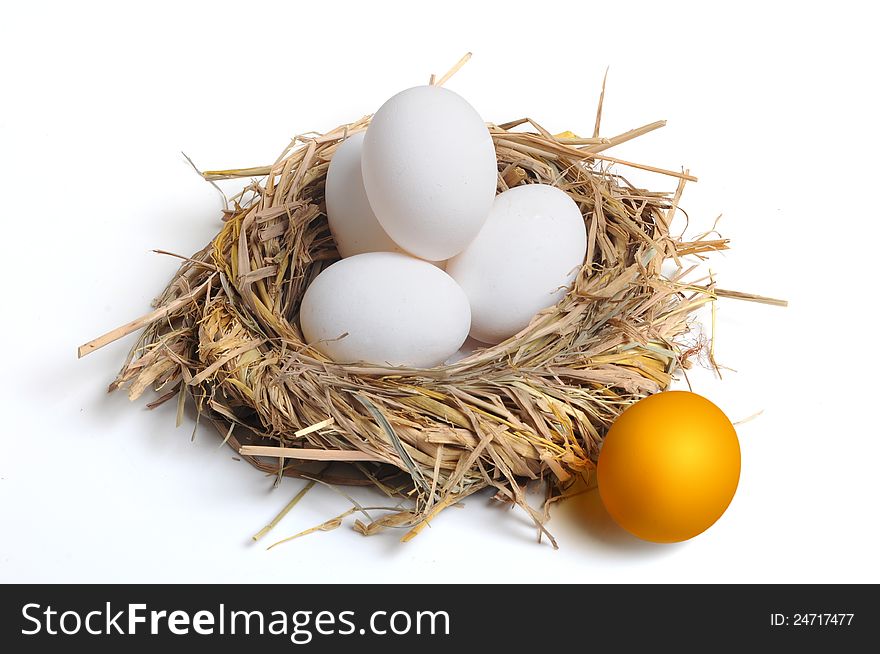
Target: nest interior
x=531, y=409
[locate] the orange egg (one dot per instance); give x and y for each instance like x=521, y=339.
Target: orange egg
x=669, y=466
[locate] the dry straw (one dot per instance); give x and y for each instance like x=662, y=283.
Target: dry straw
x=531, y=409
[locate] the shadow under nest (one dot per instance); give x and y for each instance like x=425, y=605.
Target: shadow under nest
x=532, y=408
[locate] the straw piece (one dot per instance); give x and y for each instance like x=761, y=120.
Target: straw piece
x=626, y=136
x=307, y=454
x=750, y=297
x=652, y=169
x=233, y=173
x=226, y=358
x=143, y=321
x=452, y=71
x=601, y=102
x=274, y=522
x=314, y=427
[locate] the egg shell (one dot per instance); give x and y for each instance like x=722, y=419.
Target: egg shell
x=524, y=259
x=391, y=308
x=352, y=222
x=430, y=171
x=669, y=466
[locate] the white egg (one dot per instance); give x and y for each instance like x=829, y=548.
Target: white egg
x=352, y=222
x=524, y=259
x=430, y=171
x=385, y=308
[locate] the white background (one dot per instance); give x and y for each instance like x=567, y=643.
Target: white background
x=773, y=106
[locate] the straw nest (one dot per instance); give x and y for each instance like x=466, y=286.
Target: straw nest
x=534, y=408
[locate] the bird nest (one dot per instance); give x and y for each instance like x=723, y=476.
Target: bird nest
x=533, y=408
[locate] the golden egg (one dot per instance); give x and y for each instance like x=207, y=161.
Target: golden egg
x=669, y=466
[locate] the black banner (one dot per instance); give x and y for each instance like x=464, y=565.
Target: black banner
x=432, y=618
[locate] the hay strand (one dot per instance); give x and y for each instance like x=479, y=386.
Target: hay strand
x=452, y=71
x=598, y=122
x=143, y=321
x=306, y=454
x=278, y=518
